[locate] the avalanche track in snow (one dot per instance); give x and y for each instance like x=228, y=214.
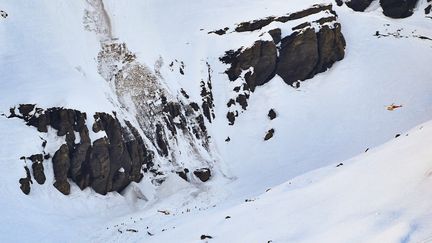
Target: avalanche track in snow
x=233, y=121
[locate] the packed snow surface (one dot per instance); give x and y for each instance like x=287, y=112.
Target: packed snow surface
x=287, y=189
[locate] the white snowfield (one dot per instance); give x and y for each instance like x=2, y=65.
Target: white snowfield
x=300, y=186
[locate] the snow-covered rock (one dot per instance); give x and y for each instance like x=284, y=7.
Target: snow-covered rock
x=228, y=163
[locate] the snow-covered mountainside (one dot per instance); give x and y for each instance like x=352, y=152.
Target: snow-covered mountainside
x=216, y=121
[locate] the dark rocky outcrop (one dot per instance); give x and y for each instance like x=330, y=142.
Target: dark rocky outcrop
x=203, y=237
x=391, y=8
x=276, y=35
x=207, y=96
x=25, y=182
x=269, y=134
x=302, y=54
x=254, y=25
x=160, y=140
x=108, y=164
x=427, y=10
x=331, y=45
x=220, y=31
x=230, y=103
x=305, y=54
x=261, y=57
x=271, y=114
x=100, y=166
x=398, y=8
x=242, y=100
x=358, y=5
x=203, y=174
x=260, y=23
x=183, y=174
x=38, y=168
x=194, y=106
x=296, y=57
x=61, y=164
x=231, y=117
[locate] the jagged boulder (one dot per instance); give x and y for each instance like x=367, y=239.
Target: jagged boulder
x=183, y=174
x=203, y=174
x=269, y=134
x=272, y=114
x=231, y=117
x=398, y=8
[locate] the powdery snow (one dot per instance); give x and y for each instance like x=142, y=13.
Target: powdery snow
x=48, y=58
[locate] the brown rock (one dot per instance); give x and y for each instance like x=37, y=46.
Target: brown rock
x=203, y=174
x=276, y=34
x=261, y=57
x=271, y=114
x=331, y=45
x=61, y=164
x=269, y=134
x=25, y=182
x=358, y=5
x=298, y=56
x=398, y=8
x=63, y=187
x=100, y=166
x=38, y=172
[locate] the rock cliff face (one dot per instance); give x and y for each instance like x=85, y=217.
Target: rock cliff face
x=358, y=5
x=109, y=163
x=391, y=8
x=309, y=48
x=398, y=8
x=306, y=53
x=302, y=54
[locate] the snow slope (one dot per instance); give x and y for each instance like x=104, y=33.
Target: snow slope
x=49, y=58
x=382, y=195
x=346, y=105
